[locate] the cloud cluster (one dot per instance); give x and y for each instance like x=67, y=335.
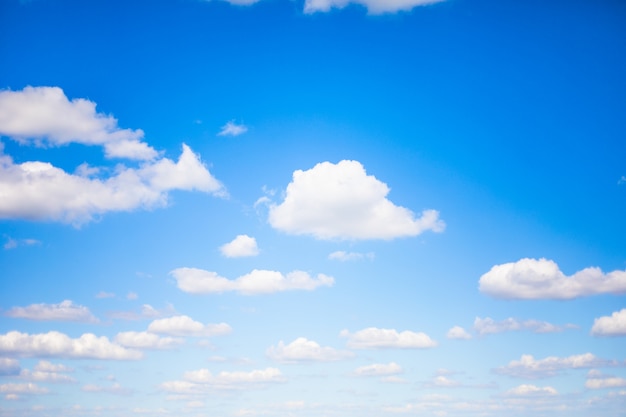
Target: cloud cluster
x=59, y=345
x=199, y=281
x=379, y=369
x=304, y=350
x=186, y=326
x=241, y=246
x=542, y=279
x=526, y=390
x=490, y=326
x=36, y=190
x=531, y=368
x=146, y=340
x=597, y=380
x=64, y=311
x=613, y=325
x=374, y=338
x=201, y=381
x=373, y=6
x=340, y=201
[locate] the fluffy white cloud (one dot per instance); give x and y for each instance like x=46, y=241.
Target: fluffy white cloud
x=457, y=332
x=350, y=256
x=201, y=381
x=542, y=278
x=64, y=311
x=340, y=201
x=373, y=6
x=490, y=326
x=44, y=115
x=374, y=338
x=231, y=128
x=526, y=390
x=596, y=380
x=186, y=326
x=145, y=340
x=9, y=366
x=613, y=325
x=145, y=312
x=304, y=350
x=242, y=245
x=529, y=367
x=378, y=369
x=199, y=281
x=56, y=344
x=40, y=191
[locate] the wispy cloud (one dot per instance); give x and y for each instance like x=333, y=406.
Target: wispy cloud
x=350, y=256
x=531, y=368
x=232, y=129
x=373, y=6
x=375, y=338
x=304, y=350
x=64, y=311
x=490, y=326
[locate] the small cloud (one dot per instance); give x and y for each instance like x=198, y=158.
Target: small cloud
x=145, y=340
x=378, y=369
x=457, y=332
x=232, y=129
x=350, y=256
x=373, y=6
x=622, y=180
x=131, y=296
x=490, y=326
x=304, y=350
x=613, y=325
x=597, y=380
x=14, y=243
x=241, y=246
x=64, y=311
x=104, y=294
x=115, y=389
x=531, y=368
x=527, y=390
x=374, y=338
x=146, y=312
x=186, y=326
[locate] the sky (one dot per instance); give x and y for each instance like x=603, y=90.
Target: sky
x=307, y=208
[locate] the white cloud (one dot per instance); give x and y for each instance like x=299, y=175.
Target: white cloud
x=115, y=389
x=145, y=340
x=613, y=325
x=490, y=326
x=201, y=381
x=22, y=388
x=104, y=294
x=46, y=366
x=526, y=390
x=9, y=366
x=146, y=312
x=442, y=381
x=44, y=115
x=40, y=191
x=199, y=281
x=457, y=332
x=304, y=350
x=186, y=326
x=64, y=311
x=529, y=367
x=374, y=338
x=14, y=243
x=340, y=201
x=373, y=6
x=350, y=256
x=596, y=380
x=231, y=128
x=542, y=279
x=378, y=369
x=59, y=345
x=242, y=245
x=45, y=376
x=131, y=296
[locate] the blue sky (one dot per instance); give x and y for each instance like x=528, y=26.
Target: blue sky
x=312, y=208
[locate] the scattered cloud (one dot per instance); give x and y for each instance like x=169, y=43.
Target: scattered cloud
x=14, y=243
x=526, y=390
x=622, y=180
x=199, y=281
x=596, y=380
x=231, y=128
x=9, y=366
x=542, y=279
x=304, y=350
x=146, y=312
x=340, y=201
x=378, y=369
x=530, y=368
x=64, y=311
x=373, y=6
x=613, y=325
x=350, y=256
x=241, y=246
x=45, y=116
x=457, y=332
x=104, y=294
x=146, y=340
x=374, y=338
x=58, y=345
x=490, y=326
x=186, y=326
x=115, y=389
x=131, y=296
x=201, y=381
x=22, y=389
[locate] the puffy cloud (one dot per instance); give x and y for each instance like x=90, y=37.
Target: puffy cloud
x=64, y=311
x=457, y=332
x=542, y=279
x=40, y=191
x=186, y=326
x=340, y=201
x=202, y=380
x=378, y=369
x=199, y=281
x=231, y=128
x=145, y=340
x=59, y=345
x=489, y=326
x=529, y=367
x=9, y=366
x=44, y=115
x=350, y=256
x=613, y=325
x=146, y=312
x=373, y=6
x=374, y=338
x=304, y=350
x=242, y=245
x=596, y=380
x=526, y=390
